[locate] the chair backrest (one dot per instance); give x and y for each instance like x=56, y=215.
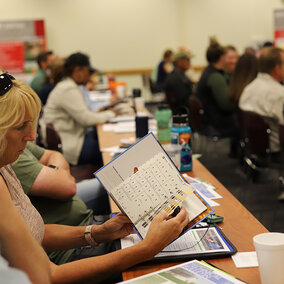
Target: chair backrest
x=196, y=113
x=281, y=139
x=240, y=118
x=53, y=139
x=256, y=130
x=148, y=83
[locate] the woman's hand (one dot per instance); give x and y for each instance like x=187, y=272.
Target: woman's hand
x=163, y=230
x=117, y=227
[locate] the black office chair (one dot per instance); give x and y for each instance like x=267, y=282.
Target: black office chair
x=281, y=176
x=196, y=113
x=53, y=141
x=203, y=135
x=256, y=132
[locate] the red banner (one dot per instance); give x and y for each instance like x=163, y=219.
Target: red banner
x=12, y=56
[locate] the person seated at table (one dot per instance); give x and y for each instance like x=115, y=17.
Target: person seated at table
x=17, y=263
x=212, y=89
x=265, y=94
x=55, y=75
x=178, y=87
x=46, y=174
x=250, y=49
x=245, y=71
x=67, y=110
x=44, y=60
x=54, y=193
x=162, y=70
x=231, y=59
x=19, y=110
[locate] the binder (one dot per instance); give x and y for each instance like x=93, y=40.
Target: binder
x=162, y=186
x=186, y=255
x=201, y=256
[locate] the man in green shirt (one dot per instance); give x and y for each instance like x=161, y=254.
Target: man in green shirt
x=44, y=60
x=45, y=177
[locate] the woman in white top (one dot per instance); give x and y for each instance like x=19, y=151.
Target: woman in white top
x=19, y=109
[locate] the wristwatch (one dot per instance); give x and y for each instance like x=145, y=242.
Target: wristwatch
x=89, y=237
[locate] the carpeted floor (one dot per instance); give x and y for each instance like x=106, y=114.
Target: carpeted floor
x=260, y=197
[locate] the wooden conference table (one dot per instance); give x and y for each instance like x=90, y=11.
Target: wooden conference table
x=239, y=225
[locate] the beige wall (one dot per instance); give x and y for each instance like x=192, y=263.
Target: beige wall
x=117, y=34
x=237, y=22
x=129, y=34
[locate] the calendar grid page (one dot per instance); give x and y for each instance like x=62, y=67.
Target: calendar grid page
x=153, y=188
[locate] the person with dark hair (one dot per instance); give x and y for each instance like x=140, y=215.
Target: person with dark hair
x=267, y=44
x=67, y=110
x=178, y=87
x=56, y=74
x=245, y=71
x=265, y=95
x=231, y=59
x=212, y=90
x=250, y=49
x=164, y=68
x=44, y=60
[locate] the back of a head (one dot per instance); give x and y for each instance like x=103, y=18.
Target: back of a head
x=267, y=44
x=269, y=58
x=74, y=60
x=15, y=101
x=245, y=72
x=182, y=54
x=168, y=53
x=56, y=71
x=43, y=56
x=214, y=51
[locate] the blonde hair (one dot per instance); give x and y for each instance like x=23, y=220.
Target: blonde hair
x=14, y=105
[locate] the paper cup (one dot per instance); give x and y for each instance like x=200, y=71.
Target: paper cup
x=270, y=254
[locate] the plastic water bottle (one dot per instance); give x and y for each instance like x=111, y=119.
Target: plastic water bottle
x=181, y=134
x=163, y=117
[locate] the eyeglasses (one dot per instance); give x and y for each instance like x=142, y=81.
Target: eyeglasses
x=5, y=83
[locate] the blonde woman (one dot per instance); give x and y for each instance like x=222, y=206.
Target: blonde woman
x=19, y=109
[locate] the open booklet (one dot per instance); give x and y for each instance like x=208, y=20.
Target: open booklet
x=144, y=181
x=194, y=272
x=197, y=243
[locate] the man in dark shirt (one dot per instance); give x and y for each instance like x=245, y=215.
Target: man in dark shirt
x=178, y=86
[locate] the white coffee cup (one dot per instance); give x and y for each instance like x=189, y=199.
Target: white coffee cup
x=120, y=90
x=270, y=254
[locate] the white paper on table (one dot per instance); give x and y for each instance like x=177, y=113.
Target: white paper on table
x=111, y=149
x=202, y=188
x=124, y=127
x=100, y=96
x=108, y=127
x=245, y=259
x=206, y=192
x=211, y=202
x=197, y=179
x=121, y=118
